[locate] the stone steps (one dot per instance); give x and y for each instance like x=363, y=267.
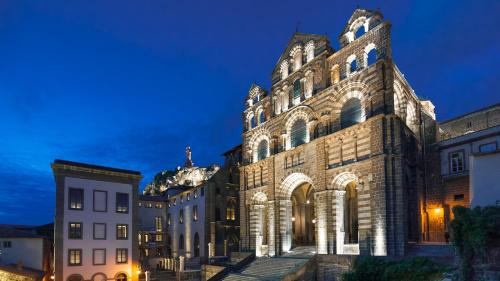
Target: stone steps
x=268, y=269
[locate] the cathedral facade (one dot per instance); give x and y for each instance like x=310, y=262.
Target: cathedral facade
x=333, y=152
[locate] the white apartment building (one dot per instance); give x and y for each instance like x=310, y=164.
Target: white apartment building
x=15, y=242
x=95, y=223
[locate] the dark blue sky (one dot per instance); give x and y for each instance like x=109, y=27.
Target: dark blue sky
x=131, y=83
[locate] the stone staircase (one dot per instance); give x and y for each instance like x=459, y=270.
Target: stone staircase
x=275, y=268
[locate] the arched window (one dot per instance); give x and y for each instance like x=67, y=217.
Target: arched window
x=296, y=91
x=99, y=277
x=250, y=121
x=181, y=242
x=411, y=117
x=371, y=57
x=351, y=113
x=262, y=118
x=231, y=211
x=196, y=245
x=298, y=133
x=262, y=150
x=360, y=31
x=121, y=277
x=297, y=58
x=351, y=214
x=353, y=66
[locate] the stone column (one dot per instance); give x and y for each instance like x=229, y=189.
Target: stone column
x=244, y=208
x=285, y=99
x=339, y=220
x=286, y=225
x=309, y=84
x=321, y=222
x=270, y=229
x=365, y=221
x=257, y=228
x=329, y=222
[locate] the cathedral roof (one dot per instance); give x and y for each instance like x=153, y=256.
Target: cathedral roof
x=301, y=39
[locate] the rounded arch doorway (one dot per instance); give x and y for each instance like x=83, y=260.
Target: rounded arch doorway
x=303, y=215
x=121, y=277
x=297, y=212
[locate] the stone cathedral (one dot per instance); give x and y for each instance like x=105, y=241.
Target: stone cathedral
x=333, y=153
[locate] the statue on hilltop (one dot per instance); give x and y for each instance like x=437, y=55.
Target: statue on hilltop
x=189, y=162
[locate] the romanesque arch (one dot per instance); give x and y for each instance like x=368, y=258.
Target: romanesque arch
x=259, y=135
x=354, y=91
x=300, y=113
x=399, y=101
x=287, y=220
x=346, y=186
x=258, y=226
x=99, y=277
x=289, y=184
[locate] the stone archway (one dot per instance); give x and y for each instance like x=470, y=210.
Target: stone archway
x=346, y=186
x=286, y=209
x=258, y=226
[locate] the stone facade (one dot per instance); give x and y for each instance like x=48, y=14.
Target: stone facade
x=379, y=153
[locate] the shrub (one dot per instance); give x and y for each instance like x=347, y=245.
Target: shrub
x=378, y=269
x=473, y=232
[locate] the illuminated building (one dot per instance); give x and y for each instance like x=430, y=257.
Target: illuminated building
x=200, y=207
x=332, y=153
x=95, y=226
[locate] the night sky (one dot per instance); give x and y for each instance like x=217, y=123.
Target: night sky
x=130, y=83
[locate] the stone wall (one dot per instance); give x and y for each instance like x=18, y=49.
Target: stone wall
x=381, y=154
x=208, y=271
x=331, y=267
x=471, y=122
